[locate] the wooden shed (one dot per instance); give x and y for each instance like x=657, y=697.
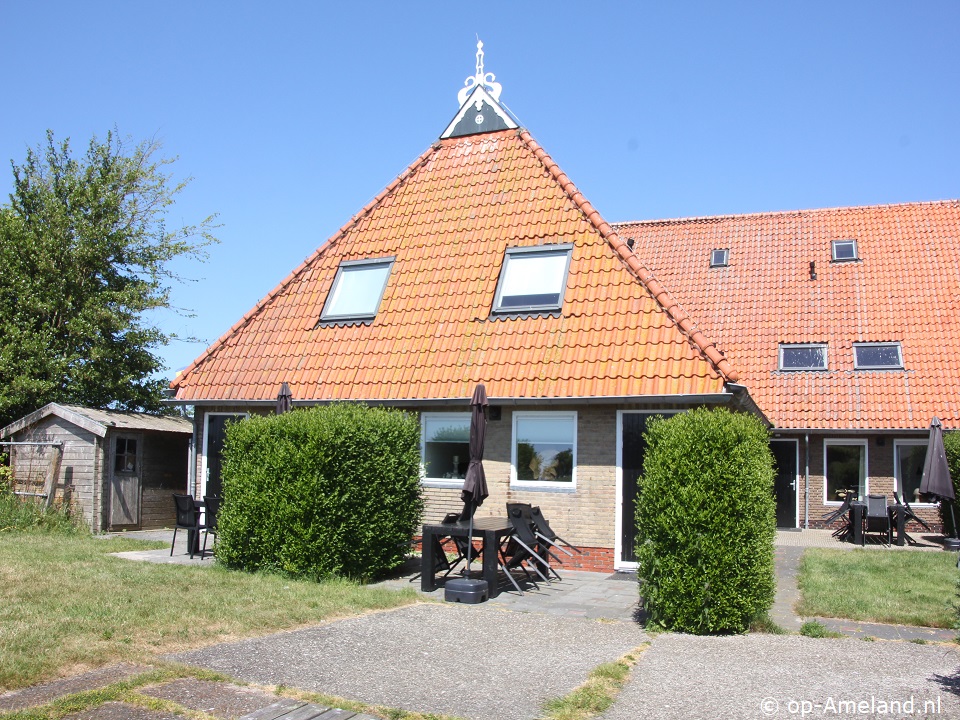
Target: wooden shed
x=118, y=468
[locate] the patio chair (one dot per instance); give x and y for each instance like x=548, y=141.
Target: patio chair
x=188, y=518
x=525, y=546
x=877, y=518
x=211, y=509
x=546, y=532
x=908, y=516
x=842, y=513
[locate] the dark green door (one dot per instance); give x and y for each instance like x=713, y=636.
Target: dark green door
x=216, y=433
x=632, y=449
x=785, y=481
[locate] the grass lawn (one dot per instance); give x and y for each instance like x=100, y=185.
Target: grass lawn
x=66, y=604
x=905, y=588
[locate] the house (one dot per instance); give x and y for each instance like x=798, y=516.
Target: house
x=480, y=263
x=119, y=469
x=837, y=321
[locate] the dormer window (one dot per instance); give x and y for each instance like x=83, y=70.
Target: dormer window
x=844, y=250
x=720, y=258
x=808, y=356
x=357, y=290
x=878, y=356
x=533, y=279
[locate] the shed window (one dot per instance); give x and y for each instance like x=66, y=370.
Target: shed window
x=125, y=458
x=844, y=250
x=357, y=290
x=533, y=279
x=877, y=356
x=720, y=258
x=811, y=356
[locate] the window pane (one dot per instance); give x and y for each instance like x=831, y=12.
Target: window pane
x=545, y=449
x=909, y=472
x=533, y=279
x=803, y=357
x=446, y=447
x=718, y=258
x=845, y=469
x=877, y=356
x=357, y=291
x=844, y=250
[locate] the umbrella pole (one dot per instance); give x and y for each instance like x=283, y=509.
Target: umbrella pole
x=469, y=544
x=952, y=517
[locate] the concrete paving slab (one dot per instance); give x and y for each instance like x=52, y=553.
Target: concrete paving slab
x=222, y=700
x=473, y=661
x=122, y=711
x=81, y=682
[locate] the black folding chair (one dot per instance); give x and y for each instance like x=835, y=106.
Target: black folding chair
x=525, y=546
x=211, y=509
x=187, y=519
x=462, y=545
x=845, y=531
x=908, y=516
x=546, y=532
x=877, y=518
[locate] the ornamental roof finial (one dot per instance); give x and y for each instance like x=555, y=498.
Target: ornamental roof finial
x=487, y=80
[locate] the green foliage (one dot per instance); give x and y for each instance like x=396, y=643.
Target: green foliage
x=951, y=446
x=815, y=629
x=27, y=514
x=321, y=492
x=85, y=250
x=705, y=522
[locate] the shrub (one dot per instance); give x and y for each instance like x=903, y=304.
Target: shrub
x=322, y=492
x=705, y=522
x=951, y=446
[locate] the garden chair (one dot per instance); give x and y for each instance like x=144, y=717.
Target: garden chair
x=909, y=515
x=842, y=513
x=461, y=544
x=211, y=509
x=877, y=518
x=524, y=546
x=546, y=532
x=188, y=518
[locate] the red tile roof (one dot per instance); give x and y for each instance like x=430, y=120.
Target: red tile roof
x=448, y=221
x=906, y=287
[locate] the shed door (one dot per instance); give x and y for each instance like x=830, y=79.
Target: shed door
x=125, y=480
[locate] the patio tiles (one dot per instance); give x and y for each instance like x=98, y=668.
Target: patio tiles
x=219, y=699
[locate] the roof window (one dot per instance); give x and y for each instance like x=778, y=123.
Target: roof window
x=878, y=356
x=720, y=258
x=532, y=278
x=357, y=290
x=844, y=250
x=808, y=356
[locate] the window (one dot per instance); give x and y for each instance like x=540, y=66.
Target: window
x=357, y=290
x=445, y=447
x=811, y=356
x=719, y=258
x=544, y=449
x=844, y=250
x=125, y=457
x=908, y=458
x=533, y=279
x=877, y=356
x=845, y=466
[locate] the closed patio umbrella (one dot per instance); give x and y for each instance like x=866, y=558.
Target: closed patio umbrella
x=936, y=479
x=475, y=484
x=284, y=399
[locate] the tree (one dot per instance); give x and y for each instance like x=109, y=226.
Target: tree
x=84, y=255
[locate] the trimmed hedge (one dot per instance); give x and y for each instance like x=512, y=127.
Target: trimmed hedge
x=329, y=491
x=951, y=446
x=706, y=522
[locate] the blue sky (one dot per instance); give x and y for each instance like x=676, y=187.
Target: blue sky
x=291, y=116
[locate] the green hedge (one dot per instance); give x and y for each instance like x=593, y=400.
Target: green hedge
x=316, y=493
x=951, y=446
x=706, y=522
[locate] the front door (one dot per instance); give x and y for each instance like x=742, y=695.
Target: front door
x=125, y=480
x=214, y=435
x=785, y=482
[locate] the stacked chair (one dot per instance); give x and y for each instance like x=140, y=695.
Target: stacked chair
x=531, y=545
x=909, y=516
x=845, y=531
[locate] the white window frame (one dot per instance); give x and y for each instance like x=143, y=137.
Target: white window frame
x=528, y=252
x=846, y=241
x=858, y=366
x=866, y=465
x=789, y=346
x=515, y=482
x=437, y=482
x=348, y=265
x=897, y=444
x=726, y=257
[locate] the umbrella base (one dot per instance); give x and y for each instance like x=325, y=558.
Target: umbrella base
x=467, y=591
x=951, y=544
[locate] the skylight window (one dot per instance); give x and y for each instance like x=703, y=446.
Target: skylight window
x=844, y=250
x=877, y=356
x=533, y=279
x=357, y=290
x=810, y=356
x=720, y=258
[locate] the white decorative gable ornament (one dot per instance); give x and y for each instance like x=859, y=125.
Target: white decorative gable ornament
x=480, y=108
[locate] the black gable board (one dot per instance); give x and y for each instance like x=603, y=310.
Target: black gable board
x=474, y=121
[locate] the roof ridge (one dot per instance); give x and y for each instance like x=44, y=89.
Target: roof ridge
x=773, y=213
x=310, y=259
x=667, y=303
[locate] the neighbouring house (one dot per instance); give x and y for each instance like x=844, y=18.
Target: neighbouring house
x=480, y=263
x=483, y=263
x=119, y=469
x=837, y=321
